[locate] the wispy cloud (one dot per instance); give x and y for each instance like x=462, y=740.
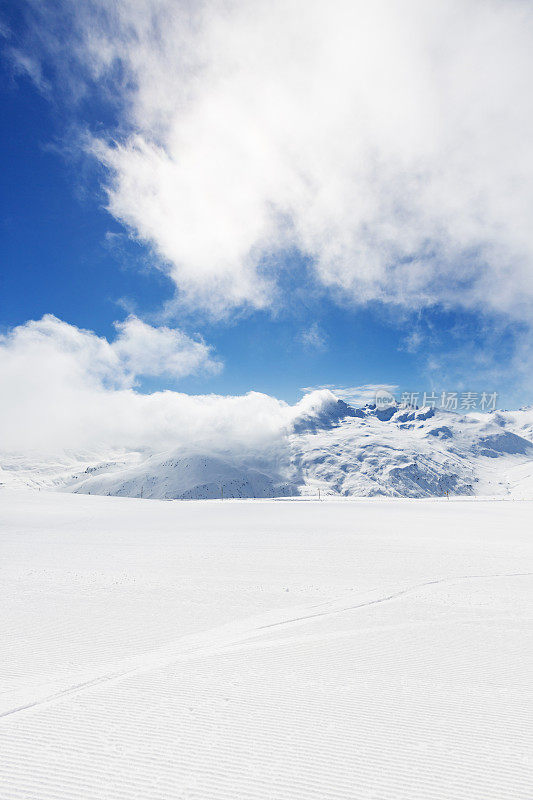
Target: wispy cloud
x=314, y=338
x=355, y=395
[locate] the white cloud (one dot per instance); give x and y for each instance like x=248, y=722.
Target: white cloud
x=61, y=385
x=389, y=141
x=144, y=350
x=66, y=388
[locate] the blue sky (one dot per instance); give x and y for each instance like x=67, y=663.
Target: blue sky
x=64, y=253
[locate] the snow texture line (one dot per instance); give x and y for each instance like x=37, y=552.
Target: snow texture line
x=205, y=645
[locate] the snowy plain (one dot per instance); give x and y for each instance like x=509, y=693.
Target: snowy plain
x=350, y=648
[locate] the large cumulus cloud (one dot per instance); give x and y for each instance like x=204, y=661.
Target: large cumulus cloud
x=389, y=142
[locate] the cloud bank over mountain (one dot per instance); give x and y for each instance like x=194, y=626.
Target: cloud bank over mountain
x=71, y=418
x=62, y=387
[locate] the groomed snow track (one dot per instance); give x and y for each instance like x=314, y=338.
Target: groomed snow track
x=355, y=650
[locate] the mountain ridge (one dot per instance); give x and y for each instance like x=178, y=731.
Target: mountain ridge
x=326, y=445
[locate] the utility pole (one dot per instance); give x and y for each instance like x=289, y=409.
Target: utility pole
x=319, y=493
x=221, y=492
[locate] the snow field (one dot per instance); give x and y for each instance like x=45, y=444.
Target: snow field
x=271, y=649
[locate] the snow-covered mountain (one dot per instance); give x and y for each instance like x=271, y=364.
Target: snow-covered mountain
x=417, y=453
x=326, y=445
x=168, y=477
